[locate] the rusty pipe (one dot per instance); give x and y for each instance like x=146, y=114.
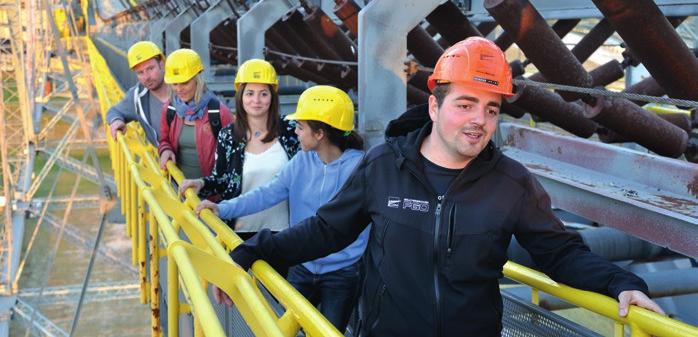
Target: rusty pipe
x=320, y=22
x=602, y=75
x=311, y=37
x=416, y=95
x=607, y=73
x=487, y=27
x=648, y=86
x=551, y=107
x=639, y=125
x=560, y=27
x=540, y=43
x=419, y=80
x=512, y=110
x=423, y=46
x=654, y=41
x=680, y=120
x=451, y=23
x=592, y=40
x=348, y=12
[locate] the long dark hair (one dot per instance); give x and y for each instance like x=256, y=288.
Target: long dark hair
x=340, y=138
x=241, y=123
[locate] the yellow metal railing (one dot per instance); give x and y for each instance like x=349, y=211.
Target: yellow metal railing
x=642, y=322
x=155, y=215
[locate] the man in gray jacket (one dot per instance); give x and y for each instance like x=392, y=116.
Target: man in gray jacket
x=144, y=100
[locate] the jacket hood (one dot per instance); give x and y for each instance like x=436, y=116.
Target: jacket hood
x=406, y=133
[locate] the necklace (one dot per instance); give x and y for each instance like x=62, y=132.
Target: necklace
x=257, y=134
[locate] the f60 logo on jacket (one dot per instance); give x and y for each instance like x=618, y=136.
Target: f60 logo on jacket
x=411, y=204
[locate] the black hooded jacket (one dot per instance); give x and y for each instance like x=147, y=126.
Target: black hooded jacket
x=433, y=262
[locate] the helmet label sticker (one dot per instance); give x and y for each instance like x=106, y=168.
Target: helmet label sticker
x=485, y=80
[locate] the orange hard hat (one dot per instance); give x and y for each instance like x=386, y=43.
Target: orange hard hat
x=475, y=61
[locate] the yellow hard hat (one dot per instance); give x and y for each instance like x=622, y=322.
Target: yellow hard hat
x=142, y=51
x=181, y=65
x=256, y=71
x=325, y=104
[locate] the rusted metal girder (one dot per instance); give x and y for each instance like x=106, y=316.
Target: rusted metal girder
x=592, y=40
x=424, y=48
x=639, y=125
x=607, y=73
x=542, y=46
x=451, y=23
x=512, y=110
x=348, y=12
x=560, y=27
x=611, y=185
x=683, y=121
x=650, y=36
x=340, y=43
x=551, y=107
x=487, y=27
x=419, y=80
x=648, y=86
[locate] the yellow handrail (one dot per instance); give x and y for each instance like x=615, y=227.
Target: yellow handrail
x=641, y=321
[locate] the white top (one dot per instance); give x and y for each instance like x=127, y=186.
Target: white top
x=257, y=170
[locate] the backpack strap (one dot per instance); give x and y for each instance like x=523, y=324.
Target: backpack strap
x=214, y=116
x=170, y=114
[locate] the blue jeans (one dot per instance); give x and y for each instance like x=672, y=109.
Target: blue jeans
x=335, y=292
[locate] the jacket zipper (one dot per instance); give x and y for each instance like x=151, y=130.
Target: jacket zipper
x=449, y=234
x=437, y=294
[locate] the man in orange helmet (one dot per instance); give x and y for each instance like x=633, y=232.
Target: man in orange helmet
x=444, y=203
x=143, y=101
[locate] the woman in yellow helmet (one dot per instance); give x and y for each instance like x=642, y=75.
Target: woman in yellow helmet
x=190, y=121
x=252, y=150
x=331, y=151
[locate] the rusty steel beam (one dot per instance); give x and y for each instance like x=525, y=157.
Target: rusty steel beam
x=611, y=185
x=320, y=22
x=348, y=12
x=560, y=27
x=487, y=27
x=416, y=95
x=683, y=121
x=513, y=110
x=607, y=73
x=648, y=86
x=592, y=40
x=312, y=36
x=423, y=47
x=638, y=124
x=451, y=23
x=654, y=41
x=542, y=46
x=551, y=107
x=419, y=80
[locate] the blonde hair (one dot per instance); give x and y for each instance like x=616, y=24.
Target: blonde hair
x=198, y=93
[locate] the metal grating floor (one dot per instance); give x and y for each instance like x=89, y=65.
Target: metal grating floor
x=523, y=319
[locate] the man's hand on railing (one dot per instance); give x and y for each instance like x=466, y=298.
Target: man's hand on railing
x=204, y=204
x=636, y=297
x=117, y=125
x=166, y=156
x=221, y=297
x=194, y=184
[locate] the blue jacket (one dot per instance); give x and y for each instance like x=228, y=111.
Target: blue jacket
x=307, y=183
